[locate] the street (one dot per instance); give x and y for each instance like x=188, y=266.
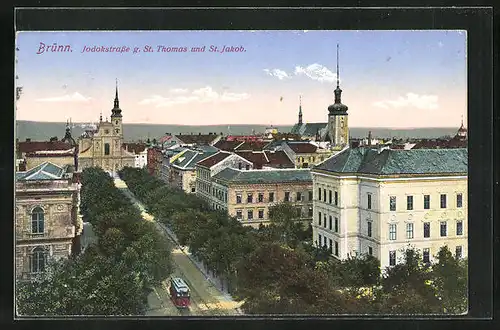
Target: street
x=205, y=298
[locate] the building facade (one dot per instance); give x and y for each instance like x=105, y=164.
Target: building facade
x=381, y=202
x=182, y=169
x=103, y=147
x=247, y=195
x=47, y=217
x=212, y=165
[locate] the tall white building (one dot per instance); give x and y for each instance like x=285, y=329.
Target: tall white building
x=383, y=201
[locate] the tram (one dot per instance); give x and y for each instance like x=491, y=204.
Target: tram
x=179, y=293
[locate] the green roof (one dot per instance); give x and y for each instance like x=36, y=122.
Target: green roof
x=44, y=171
x=264, y=176
x=391, y=162
x=190, y=158
x=308, y=129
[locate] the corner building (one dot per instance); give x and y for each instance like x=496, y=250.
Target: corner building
x=381, y=202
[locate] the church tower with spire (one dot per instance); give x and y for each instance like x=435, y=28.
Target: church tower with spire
x=338, y=129
x=116, y=115
x=300, y=110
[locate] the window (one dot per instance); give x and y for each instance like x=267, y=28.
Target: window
x=392, y=231
x=409, y=202
x=261, y=197
x=249, y=198
x=392, y=203
x=330, y=247
x=310, y=212
x=324, y=222
x=336, y=248
x=319, y=218
x=239, y=214
x=392, y=258
x=261, y=214
x=239, y=166
x=238, y=198
x=443, y=229
x=37, y=221
x=427, y=229
x=324, y=195
x=459, y=200
x=193, y=189
x=38, y=259
x=458, y=252
x=460, y=227
x=369, y=200
x=250, y=214
x=409, y=230
x=310, y=195
x=319, y=240
x=369, y=223
x=427, y=202
x=443, y=201
x=299, y=196
x=298, y=211
x=330, y=196
x=319, y=194
x=426, y=256
x=336, y=198
x=336, y=224
x=271, y=197
x=247, y=167
x=287, y=196
x=370, y=250
x=330, y=223
x=106, y=149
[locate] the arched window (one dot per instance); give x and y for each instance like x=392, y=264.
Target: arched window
x=106, y=148
x=38, y=260
x=37, y=220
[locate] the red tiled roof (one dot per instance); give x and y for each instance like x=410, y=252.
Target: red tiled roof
x=199, y=138
x=227, y=145
x=258, y=158
x=278, y=159
x=252, y=146
x=441, y=144
x=303, y=148
x=31, y=146
x=135, y=148
x=212, y=160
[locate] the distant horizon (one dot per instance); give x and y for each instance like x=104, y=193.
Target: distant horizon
x=226, y=124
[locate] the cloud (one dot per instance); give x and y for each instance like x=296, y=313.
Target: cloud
x=280, y=74
x=316, y=72
x=201, y=95
x=178, y=91
x=410, y=100
x=75, y=97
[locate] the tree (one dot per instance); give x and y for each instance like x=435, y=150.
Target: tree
x=449, y=276
x=406, y=287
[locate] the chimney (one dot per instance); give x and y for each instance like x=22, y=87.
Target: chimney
x=199, y=133
x=28, y=140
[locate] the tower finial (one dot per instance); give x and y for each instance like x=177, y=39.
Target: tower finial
x=117, y=102
x=300, y=109
x=338, y=66
x=100, y=117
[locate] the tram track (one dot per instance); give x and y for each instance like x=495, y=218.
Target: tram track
x=203, y=306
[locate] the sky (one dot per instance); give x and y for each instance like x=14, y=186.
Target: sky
x=398, y=79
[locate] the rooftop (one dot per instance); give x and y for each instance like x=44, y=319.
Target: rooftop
x=190, y=158
x=197, y=138
x=214, y=159
x=32, y=146
x=302, y=147
x=44, y=171
x=228, y=145
x=271, y=176
x=393, y=162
